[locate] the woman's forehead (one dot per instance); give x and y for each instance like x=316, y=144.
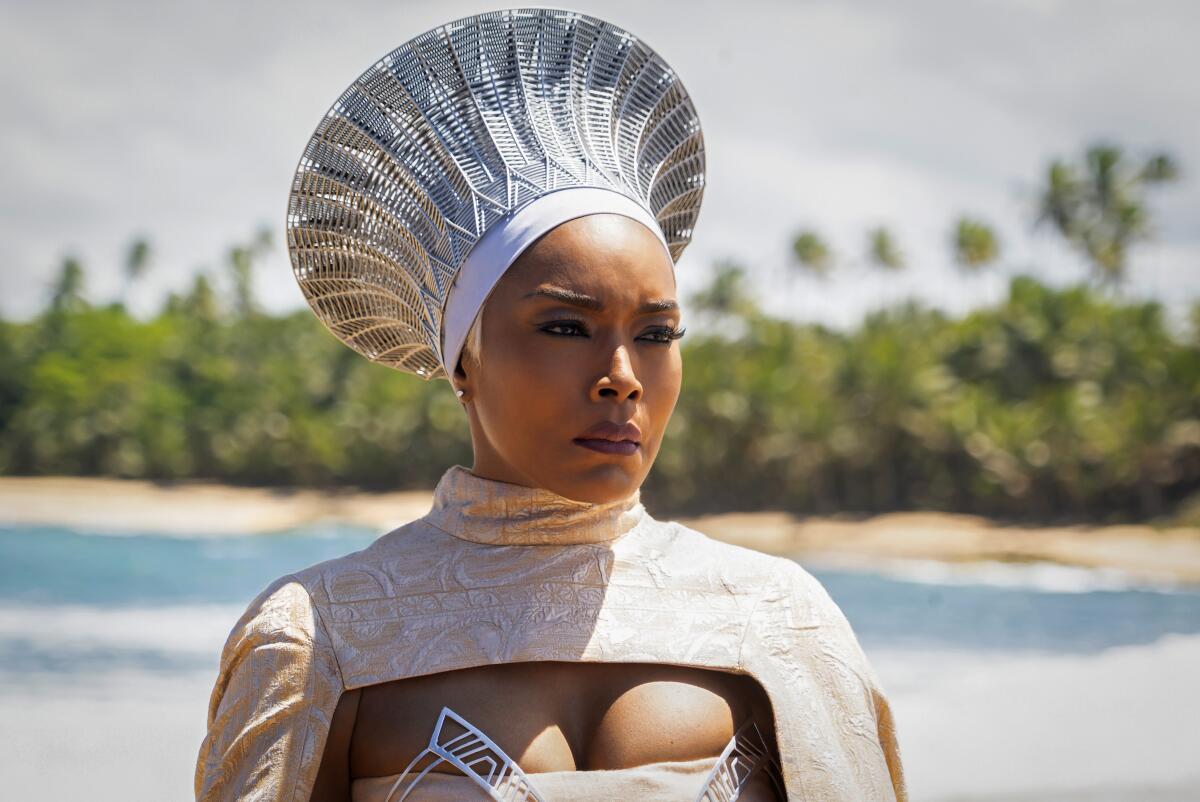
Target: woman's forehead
x=597, y=254
x=645, y=305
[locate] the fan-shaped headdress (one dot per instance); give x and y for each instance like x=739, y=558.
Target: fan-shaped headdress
x=434, y=170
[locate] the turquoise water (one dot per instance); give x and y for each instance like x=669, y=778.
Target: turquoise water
x=107, y=637
x=54, y=565
x=45, y=568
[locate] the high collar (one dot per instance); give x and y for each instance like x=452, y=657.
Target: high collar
x=472, y=507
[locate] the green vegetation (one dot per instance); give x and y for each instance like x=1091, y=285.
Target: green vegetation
x=1054, y=404
x=1058, y=403
x=1098, y=205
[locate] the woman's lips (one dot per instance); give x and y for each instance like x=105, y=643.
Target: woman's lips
x=623, y=447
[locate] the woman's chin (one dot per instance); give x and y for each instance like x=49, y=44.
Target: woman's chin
x=601, y=481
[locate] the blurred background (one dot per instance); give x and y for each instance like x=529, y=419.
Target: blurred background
x=943, y=310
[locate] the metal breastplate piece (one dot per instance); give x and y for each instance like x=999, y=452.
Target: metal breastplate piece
x=746, y=755
x=475, y=755
x=480, y=759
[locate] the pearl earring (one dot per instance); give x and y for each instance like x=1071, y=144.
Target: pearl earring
x=459, y=392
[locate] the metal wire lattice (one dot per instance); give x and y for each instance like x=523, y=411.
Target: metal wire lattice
x=479, y=758
x=456, y=128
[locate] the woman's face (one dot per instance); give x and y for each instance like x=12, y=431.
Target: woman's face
x=575, y=335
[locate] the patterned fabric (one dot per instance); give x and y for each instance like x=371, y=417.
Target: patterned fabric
x=476, y=582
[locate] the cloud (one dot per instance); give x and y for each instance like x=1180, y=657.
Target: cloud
x=185, y=122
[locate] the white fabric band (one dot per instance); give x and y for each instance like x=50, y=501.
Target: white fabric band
x=507, y=238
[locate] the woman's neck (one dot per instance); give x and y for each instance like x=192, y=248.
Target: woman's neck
x=473, y=507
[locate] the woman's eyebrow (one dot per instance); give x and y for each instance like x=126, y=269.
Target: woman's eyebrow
x=588, y=302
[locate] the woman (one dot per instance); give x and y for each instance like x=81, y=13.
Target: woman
x=501, y=202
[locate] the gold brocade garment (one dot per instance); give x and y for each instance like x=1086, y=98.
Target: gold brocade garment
x=498, y=573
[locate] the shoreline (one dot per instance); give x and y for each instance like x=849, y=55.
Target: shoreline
x=894, y=540
x=212, y=509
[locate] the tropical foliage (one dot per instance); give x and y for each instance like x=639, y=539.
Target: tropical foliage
x=1055, y=403
x=1099, y=205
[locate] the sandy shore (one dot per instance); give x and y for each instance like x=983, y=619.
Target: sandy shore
x=192, y=508
x=1142, y=552
x=197, y=508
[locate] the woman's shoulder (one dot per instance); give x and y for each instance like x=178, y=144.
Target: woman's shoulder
x=704, y=551
x=278, y=675
x=782, y=581
x=281, y=616
x=407, y=542
x=293, y=605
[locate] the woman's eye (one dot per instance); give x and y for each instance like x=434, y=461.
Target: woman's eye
x=666, y=334
x=564, y=324
x=572, y=328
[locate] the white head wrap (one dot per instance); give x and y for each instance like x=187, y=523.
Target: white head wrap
x=449, y=156
x=507, y=239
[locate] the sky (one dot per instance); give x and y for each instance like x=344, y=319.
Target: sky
x=184, y=123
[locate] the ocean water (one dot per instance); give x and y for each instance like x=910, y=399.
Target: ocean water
x=1007, y=682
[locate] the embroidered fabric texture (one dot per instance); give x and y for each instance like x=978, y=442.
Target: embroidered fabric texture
x=498, y=573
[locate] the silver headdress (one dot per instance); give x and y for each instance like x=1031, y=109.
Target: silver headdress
x=455, y=151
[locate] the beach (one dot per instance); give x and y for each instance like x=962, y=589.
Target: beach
x=895, y=541
x=1021, y=664
x=1123, y=724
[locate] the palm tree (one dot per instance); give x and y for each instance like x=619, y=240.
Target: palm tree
x=1099, y=207
x=201, y=302
x=263, y=240
x=241, y=264
x=1159, y=168
x=728, y=294
x=975, y=244
x=241, y=259
x=811, y=252
x=137, y=260
x=882, y=249
x=67, y=294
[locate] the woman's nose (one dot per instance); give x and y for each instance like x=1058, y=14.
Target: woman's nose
x=619, y=380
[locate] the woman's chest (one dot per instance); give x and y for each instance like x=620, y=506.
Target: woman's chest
x=558, y=716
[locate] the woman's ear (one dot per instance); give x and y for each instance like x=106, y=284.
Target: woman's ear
x=460, y=382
